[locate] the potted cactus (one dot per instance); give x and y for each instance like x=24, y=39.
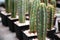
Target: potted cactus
x=6, y=13
x=13, y=17
x=50, y=25
x=22, y=23
x=33, y=13
x=41, y=21
x=50, y=10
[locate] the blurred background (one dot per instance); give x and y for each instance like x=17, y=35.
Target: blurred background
x=2, y=3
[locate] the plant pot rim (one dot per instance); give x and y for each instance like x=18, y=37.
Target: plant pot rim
x=29, y=34
x=27, y=22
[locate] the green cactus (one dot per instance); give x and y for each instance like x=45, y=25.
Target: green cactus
x=33, y=13
x=21, y=10
x=50, y=10
x=46, y=2
x=7, y=5
x=13, y=8
x=41, y=21
x=27, y=5
x=53, y=2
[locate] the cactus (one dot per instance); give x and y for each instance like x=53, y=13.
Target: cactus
x=27, y=5
x=33, y=13
x=53, y=2
x=50, y=10
x=41, y=21
x=13, y=8
x=21, y=10
x=46, y=2
x=7, y=5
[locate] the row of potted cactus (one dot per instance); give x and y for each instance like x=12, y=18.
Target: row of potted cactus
x=41, y=14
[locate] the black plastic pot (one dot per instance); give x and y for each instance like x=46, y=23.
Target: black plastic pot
x=11, y=24
x=50, y=34
x=4, y=19
x=19, y=28
x=27, y=37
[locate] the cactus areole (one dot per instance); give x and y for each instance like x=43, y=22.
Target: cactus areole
x=41, y=21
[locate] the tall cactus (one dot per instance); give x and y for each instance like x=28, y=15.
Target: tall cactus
x=7, y=5
x=33, y=13
x=53, y=2
x=21, y=10
x=13, y=8
x=41, y=21
x=27, y=5
x=50, y=10
x=46, y=2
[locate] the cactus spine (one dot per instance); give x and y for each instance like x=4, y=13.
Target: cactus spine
x=50, y=10
x=7, y=5
x=41, y=21
x=33, y=13
x=21, y=10
x=13, y=8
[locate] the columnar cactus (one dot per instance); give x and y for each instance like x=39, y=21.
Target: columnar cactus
x=53, y=2
x=50, y=10
x=21, y=10
x=41, y=21
x=13, y=8
x=46, y=2
x=27, y=5
x=33, y=13
x=7, y=5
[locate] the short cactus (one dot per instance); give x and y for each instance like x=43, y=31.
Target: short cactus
x=33, y=13
x=7, y=5
x=13, y=8
x=41, y=21
x=50, y=10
